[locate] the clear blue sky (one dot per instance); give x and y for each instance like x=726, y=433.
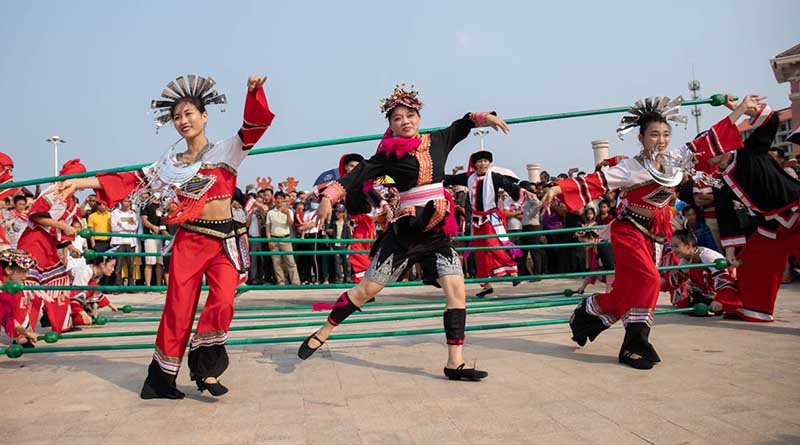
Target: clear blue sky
x=86, y=71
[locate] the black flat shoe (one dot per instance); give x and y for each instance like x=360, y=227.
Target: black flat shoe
x=485, y=292
x=216, y=389
x=652, y=355
x=639, y=362
x=459, y=373
x=148, y=392
x=307, y=351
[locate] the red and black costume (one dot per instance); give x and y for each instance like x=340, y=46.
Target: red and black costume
x=487, y=218
x=359, y=209
x=43, y=243
x=760, y=183
x=215, y=249
x=637, y=241
x=422, y=229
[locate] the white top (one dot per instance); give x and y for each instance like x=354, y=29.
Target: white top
x=279, y=223
x=124, y=222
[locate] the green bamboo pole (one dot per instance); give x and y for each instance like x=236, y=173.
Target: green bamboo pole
x=13, y=286
x=714, y=100
x=254, y=341
x=322, y=314
x=567, y=292
x=86, y=233
x=472, y=311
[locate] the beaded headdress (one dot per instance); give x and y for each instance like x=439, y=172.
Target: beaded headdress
x=400, y=96
x=660, y=105
x=17, y=257
x=182, y=87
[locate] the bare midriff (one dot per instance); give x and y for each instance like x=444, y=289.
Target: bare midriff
x=217, y=209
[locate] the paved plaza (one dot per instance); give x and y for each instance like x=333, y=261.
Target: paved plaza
x=720, y=382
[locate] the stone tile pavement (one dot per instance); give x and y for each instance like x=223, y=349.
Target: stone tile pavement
x=721, y=382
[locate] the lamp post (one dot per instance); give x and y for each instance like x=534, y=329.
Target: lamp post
x=481, y=133
x=55, y=140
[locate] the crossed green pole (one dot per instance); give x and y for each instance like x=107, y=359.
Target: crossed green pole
x=14, y=286
x=714, y=100
x=16, y=351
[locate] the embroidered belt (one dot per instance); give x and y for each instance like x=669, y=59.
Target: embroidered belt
x=222, y=228
x=419, y=196
x=641, y=223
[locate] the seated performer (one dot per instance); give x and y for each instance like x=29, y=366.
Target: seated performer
x=209, y=243
x=646, y=183
x=711, y=286
x=85, y=303
x=14, y=266
x=766, y=190
x=49, y=229
x=422, y=229
x=483, y=186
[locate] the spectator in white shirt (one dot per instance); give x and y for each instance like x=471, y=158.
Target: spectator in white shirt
x=124, y=220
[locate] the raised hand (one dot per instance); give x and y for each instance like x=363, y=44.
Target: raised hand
x=496, y=123
x=255, y=82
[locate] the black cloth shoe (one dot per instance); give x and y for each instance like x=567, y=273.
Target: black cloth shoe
x=585, y=326
x=159, y=385
x=638, y=362
x=470, y=374
x=27, y=344
x=485, y=292
x=307, y=351
x=636, y=350
x=216, y=389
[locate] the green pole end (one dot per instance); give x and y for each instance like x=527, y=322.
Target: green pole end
x=15, y=351
x=101, y=320
x=127, y=309
x=568, y=292
x=721, y=264
x=51, y=337
x=700, y=309
x=90, y=254
x=13, y=287
x=84, y=233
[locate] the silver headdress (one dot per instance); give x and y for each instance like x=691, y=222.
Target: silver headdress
x=189, y=86
x=665, y=167
x=661, y=105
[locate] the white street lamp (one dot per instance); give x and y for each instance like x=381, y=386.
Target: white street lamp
x=55, y=140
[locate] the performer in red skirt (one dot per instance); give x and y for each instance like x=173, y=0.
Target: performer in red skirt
x=14, y=266
x=646, y=183
x=766, y=190
x=202, y=179
x=49, y=229
x=483, y=186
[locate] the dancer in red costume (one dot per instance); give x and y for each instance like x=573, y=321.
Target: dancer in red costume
x=766, y=190
x=359, y=208
x=423, y=228
x=85, y=303
x=483, y=185
x=711, y=286
x=646, y=183
x=14, y=266
x=202, y=179
x=49, y=229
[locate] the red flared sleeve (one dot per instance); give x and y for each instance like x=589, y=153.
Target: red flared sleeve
x=114, y=187
x=257, y=118
x=721, y=138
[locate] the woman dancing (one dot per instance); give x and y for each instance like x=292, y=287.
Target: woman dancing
x=421, y=230
x=202, y=180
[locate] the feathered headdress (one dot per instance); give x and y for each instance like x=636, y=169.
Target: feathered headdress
x=191, y=86
x=400, y=96
x=660, y=105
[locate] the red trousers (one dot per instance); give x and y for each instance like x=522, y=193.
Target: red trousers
x=759, y=276
x=195, y=255
x=636, y=285
x=492, y=263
